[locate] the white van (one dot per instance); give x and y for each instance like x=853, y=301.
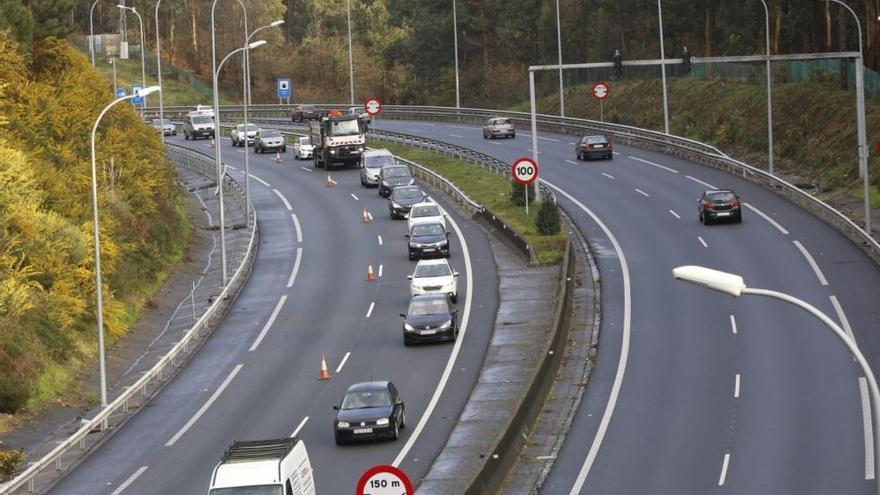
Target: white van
x=199, y=123
x=264, y=467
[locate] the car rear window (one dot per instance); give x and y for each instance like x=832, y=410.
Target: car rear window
x=407, y=192
x=378, y=161
x=721, y=196
x=396, y=171
x=595, y=139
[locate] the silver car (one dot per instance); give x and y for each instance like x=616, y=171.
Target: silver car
x=269, y=140
x=372, y=162
x=498, y=126
x=165, y=125
x=303, y=148
x=240, y=136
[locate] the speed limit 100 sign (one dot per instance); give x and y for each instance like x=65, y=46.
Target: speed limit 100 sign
x=384, y=480
x=524, y=170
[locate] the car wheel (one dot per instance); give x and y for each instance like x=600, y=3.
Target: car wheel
x=412, y=257
x=484, y=135
x=339, y=441
x=284, y=149
x=403, y=418
x=406, y=341
x=396, y=433
x=455, y=333
x=739, y=218
x=454, y=298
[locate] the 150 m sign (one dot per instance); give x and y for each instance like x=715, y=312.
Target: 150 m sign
x=384, y=480
x=524, y=171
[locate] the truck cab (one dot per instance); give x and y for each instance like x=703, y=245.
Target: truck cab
x=338, y=139
x=264, y=467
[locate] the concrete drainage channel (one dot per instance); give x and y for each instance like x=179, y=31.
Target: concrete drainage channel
x=187, y=329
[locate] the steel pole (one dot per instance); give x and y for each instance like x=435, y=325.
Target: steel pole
x=220, y=172
x=115, y=87
x=769, y=89
x=244, y=89
x=92, y=31
x=350, y=60
x=455, y=41
x=534, y=117
x=143, y=61
x=663, y=70
x=559, y=51
x=159, y=74
x=852, y=347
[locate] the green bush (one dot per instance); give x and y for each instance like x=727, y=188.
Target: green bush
x=518, y=193
x=547, y=222
x=9, y=461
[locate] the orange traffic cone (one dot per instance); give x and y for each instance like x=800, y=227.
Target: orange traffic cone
x=277, y=157
x=366, y=217
x=330, y=181
x=325, y=373
x=212, y=143
x=371, y=277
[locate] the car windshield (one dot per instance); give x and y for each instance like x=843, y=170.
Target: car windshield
x=722, y=196
x=425, y=211
x=345, y=127
x=202, y=119
x=433, y=306
x=304, y=141
x=249, y=490
x=307, y=108
x=395, y=172
x=250, y=128
x=366, y=398
x=407, y=193
x=161, y=122
x=428, y=229
x=435, y=270
x=378, y=161
x=267, y=134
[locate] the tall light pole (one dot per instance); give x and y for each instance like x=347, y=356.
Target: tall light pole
x=99, y=297
x=159, y=75
x=734, y=285
x=663, y=70
x=143, y=49
x=248, y=56
x=113, y=63
x=350, y=59
x=860, y=119
x=92, y=31
x=559, y=51
x=769, y=89
x=455, y=38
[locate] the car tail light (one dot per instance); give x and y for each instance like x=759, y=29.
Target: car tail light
x=707, y=205
x=608, y=145
x=735, y=203
x=586, y=146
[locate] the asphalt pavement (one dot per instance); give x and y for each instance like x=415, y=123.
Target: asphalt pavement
x=257, y=375
x=694, y=391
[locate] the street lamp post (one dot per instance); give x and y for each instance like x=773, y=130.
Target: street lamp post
x=159, y=75
x=455, y=40
x=99, y=296
x=92, y=31
x=734, y=285
x=350, y=60
x=143, y=49
x=769, y=89
x=663, y=70
x=860, y=119
x=113, y=63
x=559, y=52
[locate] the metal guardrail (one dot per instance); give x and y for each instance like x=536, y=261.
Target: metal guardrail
x=204, y=165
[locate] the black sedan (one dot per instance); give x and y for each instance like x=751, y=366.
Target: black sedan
x=430, y=317
x=428, y=239
x=721, y=204
x=403, y=198
x=369, y=410
x=594, y=147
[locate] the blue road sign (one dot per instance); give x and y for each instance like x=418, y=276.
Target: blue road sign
x=137, y=100
x=120, y=93
x=283, y=88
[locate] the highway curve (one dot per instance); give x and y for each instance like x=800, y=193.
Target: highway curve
x=257, y=375
x=700, y=392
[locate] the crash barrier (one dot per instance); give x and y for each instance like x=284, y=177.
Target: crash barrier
x=152, y=381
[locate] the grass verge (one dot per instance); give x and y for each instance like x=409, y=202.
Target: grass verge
x=492, y=191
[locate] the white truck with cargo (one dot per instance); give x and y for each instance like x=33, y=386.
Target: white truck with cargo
x=264, y=467
x=337, y=139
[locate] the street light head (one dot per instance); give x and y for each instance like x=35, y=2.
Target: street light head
x=277, y=23
x=148, y=90
x=728, y=283
x=256, y=44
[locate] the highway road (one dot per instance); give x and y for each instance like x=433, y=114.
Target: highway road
x=696, y=392
x=257, y=375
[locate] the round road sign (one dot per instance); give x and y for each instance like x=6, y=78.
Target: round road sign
x=601, y=90
x=384, y=480
x=373, y=106
x=524, y=170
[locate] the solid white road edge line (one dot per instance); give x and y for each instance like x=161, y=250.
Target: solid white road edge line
x=869, y=429
x=675, y=214
x=736, y=387
x=261, y=181
x=698, y=181
x=766, y=217
x=653, y=164
x=571, y=162
x=812, y=262
x=380, y=239
x=299, y=427
x=702, y=242
x=643, y=193
x=299, y=252
x=608, y=175
x=130, y=480
x=844, y=322
x=342, y=363
x=370, y=311
x=269, y=323
x=624, y=347
x=299, y=232
x=723, y=476
x=450, y=363
x=733, y=324
x=205, y=407
x=286, y=203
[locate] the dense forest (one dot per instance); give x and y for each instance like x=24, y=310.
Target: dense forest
x=403, y=49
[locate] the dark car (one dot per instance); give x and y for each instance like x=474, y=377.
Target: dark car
x=430, y=317
x=428, y=239
x=403, y=198
x=301, y=113
x=368, y=411
x=392, y=176
x=594, y=147
x=721, y=204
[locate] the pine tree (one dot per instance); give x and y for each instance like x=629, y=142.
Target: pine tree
x=548, y=222
x=518, y=194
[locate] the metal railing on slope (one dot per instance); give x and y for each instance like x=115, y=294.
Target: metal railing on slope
x=203, y=165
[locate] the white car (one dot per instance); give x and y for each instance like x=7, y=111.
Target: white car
x=427, y=211
x=240, y=136
x=303, y=148
x=434, y=276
